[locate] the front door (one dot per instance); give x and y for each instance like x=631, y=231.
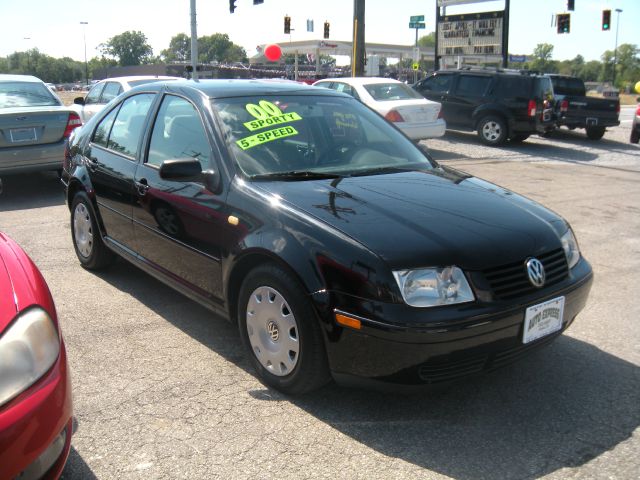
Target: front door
x=177, y=223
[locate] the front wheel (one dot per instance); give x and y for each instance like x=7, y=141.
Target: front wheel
x=281, y=332
x=492, y=130
x=88, y=244
x=595, y=133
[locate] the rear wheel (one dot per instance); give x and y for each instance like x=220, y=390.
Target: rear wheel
x=492, y=130
x=595, y=133
x=280, y=331
x=88, y=244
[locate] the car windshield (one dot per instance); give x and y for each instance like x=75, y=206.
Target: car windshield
x=391, y=91
x=312, y=136
x=26, y=94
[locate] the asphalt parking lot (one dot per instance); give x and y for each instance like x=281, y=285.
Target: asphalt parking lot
x=162, y=388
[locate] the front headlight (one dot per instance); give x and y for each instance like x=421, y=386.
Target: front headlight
x=430, y=287
x=570, y=246
x=28, y=349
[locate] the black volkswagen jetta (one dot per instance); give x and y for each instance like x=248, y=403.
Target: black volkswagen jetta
x=337, y=245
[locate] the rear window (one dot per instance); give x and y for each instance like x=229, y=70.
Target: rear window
x=26, y=94
x=544, y=88
x=391, y=91
x=568, y=86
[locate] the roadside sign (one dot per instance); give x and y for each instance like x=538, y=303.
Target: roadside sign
x=417, y=25
x=416, y=18
x=416, y=66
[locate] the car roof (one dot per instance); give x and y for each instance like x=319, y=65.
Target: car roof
x=133, y=78
x=5, y=77
x=359, y=80
x=239, y=88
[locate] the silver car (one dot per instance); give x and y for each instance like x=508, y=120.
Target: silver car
x=33, y=125
x=106, y=90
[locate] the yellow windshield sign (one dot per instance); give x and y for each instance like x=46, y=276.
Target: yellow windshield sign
x=264, y=137
x=267, y=114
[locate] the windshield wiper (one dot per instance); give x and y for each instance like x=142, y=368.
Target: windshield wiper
x=382, y=170
x=295, y=175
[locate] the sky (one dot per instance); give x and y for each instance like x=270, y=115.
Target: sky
x=54, y=28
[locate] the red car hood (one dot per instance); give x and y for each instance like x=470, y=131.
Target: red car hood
x=21, y=284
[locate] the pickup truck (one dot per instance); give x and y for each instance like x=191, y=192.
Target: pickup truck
x=574, y=109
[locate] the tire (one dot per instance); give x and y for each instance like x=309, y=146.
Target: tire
x=520, y=137
x=635, y=136
x=595, y=133
x=492, y=130
x=280, y=331
x=85, y=233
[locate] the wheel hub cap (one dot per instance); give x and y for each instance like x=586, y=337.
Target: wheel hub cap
x=491, y=131
x=272, y=331
x=83, y=230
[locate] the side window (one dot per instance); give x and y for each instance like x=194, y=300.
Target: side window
x=129, y=124
x=348, y=89
x=437, y=84
x=326, y=85
x=111, y=91
x=512, y=87
x=473, y=85
x=101, y=133
x=94, y=94
x=178, y=133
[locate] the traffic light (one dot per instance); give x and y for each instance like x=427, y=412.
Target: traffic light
x=564, y=22
x=606, y=20
x=287, y=24
x=571, y=5
x=326, y=29
x=232, y=6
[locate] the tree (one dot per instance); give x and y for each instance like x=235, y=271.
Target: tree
x=129, y=48
x=218, y=47
x=542, y=59
x=427, y=41
x=627, y=64
x=179, y=49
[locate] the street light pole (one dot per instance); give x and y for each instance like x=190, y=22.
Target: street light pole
x=86, y=65
x=615, y=51
x=28, y=55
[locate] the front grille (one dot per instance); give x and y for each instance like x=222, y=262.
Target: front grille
x=449, y=369
x=511, y=281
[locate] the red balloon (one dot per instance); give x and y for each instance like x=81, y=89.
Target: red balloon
x=273, y=52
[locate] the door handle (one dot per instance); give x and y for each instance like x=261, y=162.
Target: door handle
x=142, y=186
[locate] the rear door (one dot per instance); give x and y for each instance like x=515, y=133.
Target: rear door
x=112, y=157
x=179, y=225
x=469, y=92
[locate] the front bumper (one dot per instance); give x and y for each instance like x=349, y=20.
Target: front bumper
x=36, y=427
x=404, y=345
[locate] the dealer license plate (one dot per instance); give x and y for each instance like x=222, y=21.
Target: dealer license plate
x=22, y=134
x=543, y=319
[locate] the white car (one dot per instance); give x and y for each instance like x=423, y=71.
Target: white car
x=416, y=116
x=106, y=90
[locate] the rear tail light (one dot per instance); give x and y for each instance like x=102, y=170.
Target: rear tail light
x=637, y=110
x=394, y=116
x=564, y=106
x=73, y=123
x=531, y=109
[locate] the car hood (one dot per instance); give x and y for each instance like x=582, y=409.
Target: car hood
x=422, y=219
x=21, y=284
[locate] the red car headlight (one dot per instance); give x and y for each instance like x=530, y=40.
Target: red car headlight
x=28, y=349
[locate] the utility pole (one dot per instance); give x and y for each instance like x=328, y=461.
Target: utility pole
x=358, y=53
x=615, y=50
x=86, y=66
x=194, y=42
x=505, y=35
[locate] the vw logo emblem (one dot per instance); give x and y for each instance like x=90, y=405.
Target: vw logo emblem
x=272, y=330
x=535, y=270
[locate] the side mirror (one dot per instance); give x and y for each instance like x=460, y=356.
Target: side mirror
x=184, y=169
x=78, y=100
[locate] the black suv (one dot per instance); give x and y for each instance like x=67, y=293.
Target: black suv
x=499, y=104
